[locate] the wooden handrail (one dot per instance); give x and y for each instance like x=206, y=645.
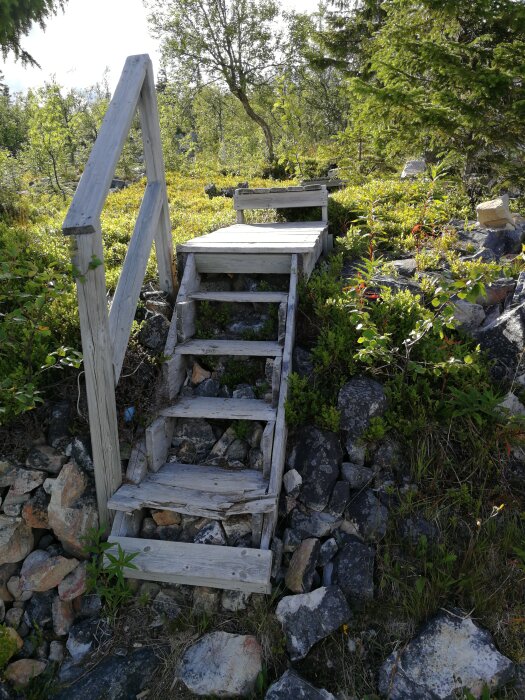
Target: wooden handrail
x=105, y=336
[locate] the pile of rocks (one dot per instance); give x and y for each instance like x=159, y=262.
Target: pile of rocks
x=48, y=507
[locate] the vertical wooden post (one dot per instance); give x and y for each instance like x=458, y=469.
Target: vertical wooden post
x=88, y=256
x=149, y=119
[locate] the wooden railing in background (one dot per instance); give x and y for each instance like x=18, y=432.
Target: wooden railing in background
x=105, y=335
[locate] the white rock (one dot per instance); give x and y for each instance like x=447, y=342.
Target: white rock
x=292, y=482
x=222, y=665
x=495, y=213
x=233, y=601
x=413, y=168
x=469, y=316
x=511, y=404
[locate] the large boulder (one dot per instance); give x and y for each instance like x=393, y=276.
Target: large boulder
x=41, y=571
x=309, y=617
x=450, y=654
x=359, y=400
x=495, y=212
x=316, y=454
x=291, y=686
x=354, y=571
x=222, y=665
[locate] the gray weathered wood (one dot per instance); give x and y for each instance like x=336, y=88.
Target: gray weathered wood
x=174, y=373
x=123, y=308
x=245, y=348
x=221, y=262
x=281, y=200
x=279, y=442
x=266, y=448
x=84, y=213
x=138, y=463
x=127, y=524
x=227, y=409
x=276, y=381
x=233, y=568
x=158, y=441
x=186, y=320
x=98, y=367
x=241, y=297
x=149, y=119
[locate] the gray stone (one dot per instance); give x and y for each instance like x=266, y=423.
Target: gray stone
x=45, y=457
x=357, y=476
x=356, y=452
x=292, y=482
x=207, y=388
x=504, y=341
x=243, y=391
x=406, y=267
x=451, y=654
x=154, y=333
x=309, y=617
x=467, y=315
x=59, y=423
x=193, y=439
x=369, y=514
x=504, y=241
x=211, y=534
x=359, y=400
x=205, y=600
x=413, y=168
x=166, y=606
x=291, y=686
x=328, y=550
x=302, y=362
x=85, y=636
x=519, y=293
x=313, y=524
x=38, y=611
x=339, y=498
x=497, y=291
x=237, y=528
x=316, y=454
x=291, y=540
x=56, y=652
x=511, y=405
x=234, y=601
x=222, y=665
x=237, y=451
x=80, y=451
x=416, y=527
x=354, y=571
x=115, y=677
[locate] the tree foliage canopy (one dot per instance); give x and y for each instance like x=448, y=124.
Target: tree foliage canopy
x=16, y=18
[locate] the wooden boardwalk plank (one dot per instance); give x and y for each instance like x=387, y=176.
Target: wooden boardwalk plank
x=220, y=409
x=241, y=297
x=271, y=264
x=247, y=348
x=232, y=568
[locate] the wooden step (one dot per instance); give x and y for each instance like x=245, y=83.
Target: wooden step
x=244, y=348
x=270, y=264
x=241, y=297
x=233, y=568
x=204, y=491
x=221, y=409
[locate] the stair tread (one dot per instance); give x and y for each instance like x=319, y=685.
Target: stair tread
x=192, y=489
x=248, y=348
x=233, y=568
x=219, y=408
x=241, y=297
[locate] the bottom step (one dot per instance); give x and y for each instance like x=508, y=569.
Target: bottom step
x=233, y=568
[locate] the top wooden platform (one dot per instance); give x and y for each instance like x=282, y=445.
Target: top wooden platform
x=290, y=237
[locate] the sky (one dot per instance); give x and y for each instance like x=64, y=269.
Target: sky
x=90, y=36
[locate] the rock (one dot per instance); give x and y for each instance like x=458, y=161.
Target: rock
x=165, y=605
x=199, y=374
x=316, y=454
x=504, y=341
x=38, y=611
x=413, y=168
x=45, y=458
x=25, y=481
x=234, y=601
x=277, y=550
x=291, y=540
x=74, y=584
x=205, y=600
x=450, y=654
x=193, y=439
x=496, y=292
x=59, y=424
x=406, y=267
x=222, y=665
x=359, y=400
x=300, y=574
x=115, y=677
x=13, y=617
x=354, y=571
x=519, y=293
x=20, y=673
x=327, y=552
x=237, y=528
x=72, y=512
x=41, y=571
x=14, y=586
x=314, y=524
x=220, y=448
x=16, y=540
x=211, y=534
x=208, y=388
x=291, y=686
x=34, y=511
x=468, y=316
x=339, y=498
x=505, y=241
x=302, y=361
x=7, y=571
x=357, y=476
x=237, y=451
x=416, y=527
x=309, y=617
x=56, y=652
x=369, y=514
x=85, y=636
x=292, y=482
x=243, y=391
x=166, y=517
x=63, y=616
x=88, y=606
x=154, y=333
x=80, y=450
x=495, y=212
x=511, y=405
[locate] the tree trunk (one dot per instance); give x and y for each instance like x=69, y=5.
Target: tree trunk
x=243, y=98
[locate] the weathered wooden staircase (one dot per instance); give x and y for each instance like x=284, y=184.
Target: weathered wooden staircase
x=206, y=491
